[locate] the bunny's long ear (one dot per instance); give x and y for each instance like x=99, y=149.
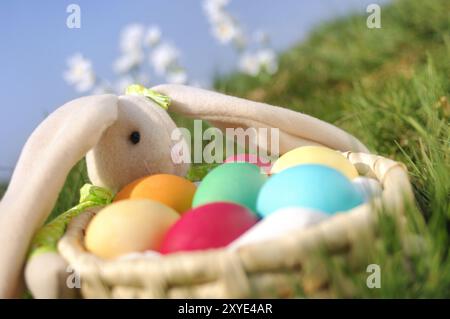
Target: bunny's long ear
x=59, y=142
x=223, y=111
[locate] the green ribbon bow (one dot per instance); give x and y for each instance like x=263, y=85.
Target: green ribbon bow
x=160, y=99
x=48, y=236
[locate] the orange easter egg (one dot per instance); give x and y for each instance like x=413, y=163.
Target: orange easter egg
x=171, y=190
x=126, y=191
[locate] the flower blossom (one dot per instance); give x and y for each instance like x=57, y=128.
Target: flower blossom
x=163, y=57
x=153, y=36
x=131, y=38
x=261, y=60
x=79, y=73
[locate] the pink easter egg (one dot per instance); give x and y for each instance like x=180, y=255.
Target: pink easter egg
x=250, y=158
x=208, y=226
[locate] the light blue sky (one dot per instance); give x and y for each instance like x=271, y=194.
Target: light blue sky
x=35, y=43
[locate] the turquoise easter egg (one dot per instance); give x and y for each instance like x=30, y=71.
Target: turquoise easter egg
x=309, y=186
x=231, y=182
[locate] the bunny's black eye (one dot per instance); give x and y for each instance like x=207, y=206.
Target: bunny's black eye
x=135, y=137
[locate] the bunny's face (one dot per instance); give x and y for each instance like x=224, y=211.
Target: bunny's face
x=138, y=144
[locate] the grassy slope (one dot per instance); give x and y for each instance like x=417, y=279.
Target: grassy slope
x=389, y=87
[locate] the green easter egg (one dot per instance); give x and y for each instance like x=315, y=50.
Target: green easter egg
x=231, y=182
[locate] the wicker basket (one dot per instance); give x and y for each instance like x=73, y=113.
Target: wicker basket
x=276, y=268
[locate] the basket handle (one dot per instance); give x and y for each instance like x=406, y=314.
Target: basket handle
x=224, y=111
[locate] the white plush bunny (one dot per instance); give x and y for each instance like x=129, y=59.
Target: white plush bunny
x=123, y=138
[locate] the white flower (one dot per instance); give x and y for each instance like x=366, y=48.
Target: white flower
x=153, y=36
x=163, y=57
x=131, y=38
x=128, y=61
x=177, y=77
x=224, y=26
x=215, y=9
x=219, y=3
x=225, y=30
x=268, y=60
x=254, y=63
x=249, y=64
x=80, y=73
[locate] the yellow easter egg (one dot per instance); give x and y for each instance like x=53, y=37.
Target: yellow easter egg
x=315, y=155
x=133, y=225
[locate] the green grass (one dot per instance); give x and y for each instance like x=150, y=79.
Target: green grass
x=70, y=195
x=390, y=88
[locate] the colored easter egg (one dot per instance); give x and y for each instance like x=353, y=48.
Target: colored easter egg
x=231, y=182
x=171, y=190
x=264, y=164
x=315, y=155
x=369, y=188
x=309, y=186
x=132, y=225
x=125, y=192
x=279, y=223
x=209, y=226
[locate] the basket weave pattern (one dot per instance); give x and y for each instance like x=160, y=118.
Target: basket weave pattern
x=277, y=268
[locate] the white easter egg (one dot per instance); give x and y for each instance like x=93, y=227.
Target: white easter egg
x=369, y=188
x=279, y=223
